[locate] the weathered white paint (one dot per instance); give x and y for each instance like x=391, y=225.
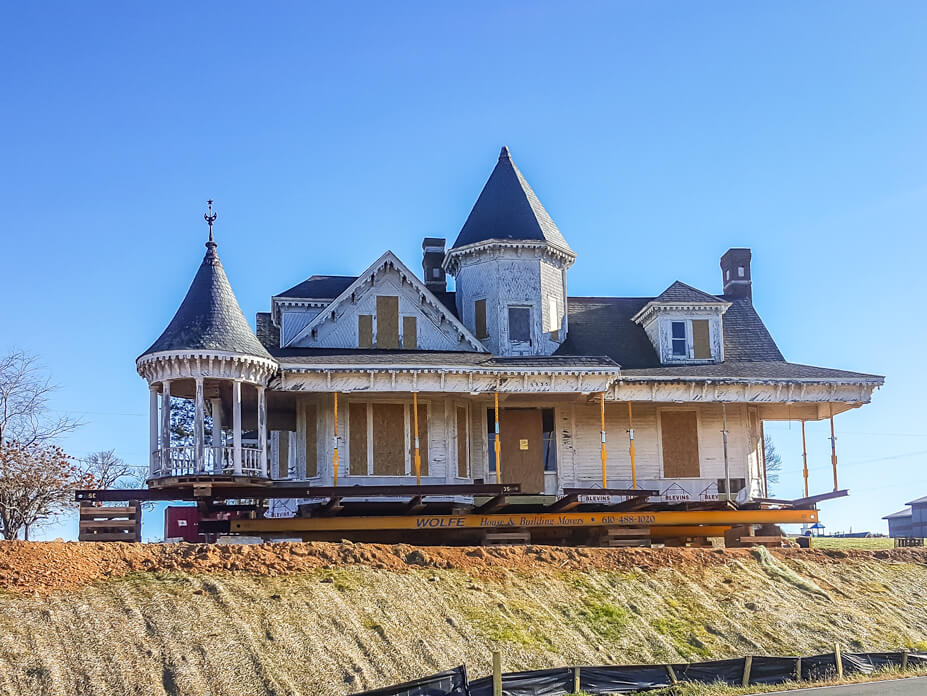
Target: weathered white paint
x=165, y=425
x=152, y=429
x=512, y=275
x=336, y=326
x=199, y=426
x=236, y=426
x=262, y=428
x=657, y=321
x=216, y=422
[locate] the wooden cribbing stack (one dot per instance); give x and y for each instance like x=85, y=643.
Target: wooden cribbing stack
x=110, y=523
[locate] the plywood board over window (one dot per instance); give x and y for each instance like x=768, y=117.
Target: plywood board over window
x=701, y=346
x=479, y=319
x=409, y=333
x=312, y=441
x=422, y=438
x=283, y=454
x=357, y=439
x=388, y=444
x=387, y=321
x=679, y=435
x=365, y=331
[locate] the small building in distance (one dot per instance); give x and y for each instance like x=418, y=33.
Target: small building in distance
x=909, y=523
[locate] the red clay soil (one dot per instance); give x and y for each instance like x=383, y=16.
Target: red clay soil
x=43, y=567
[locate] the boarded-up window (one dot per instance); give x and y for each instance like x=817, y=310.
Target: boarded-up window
x=365, y=331
x=409, y=333
x=422, y=438
x=283, y=454
x=312, y=441
x=479, y=319
x=701, y=348
x=519, y=324
x=387, y=321
x=388, y=443
x=462, y=469
x=357, y=438
x=679, y=433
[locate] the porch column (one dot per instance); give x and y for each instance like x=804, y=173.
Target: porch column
x=262, y=428
x=153, y=454
x=236, y=426
x=216, y=435
x=199, y=428
x=165, y=427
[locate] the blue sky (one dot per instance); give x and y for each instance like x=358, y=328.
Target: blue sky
x=656, y=134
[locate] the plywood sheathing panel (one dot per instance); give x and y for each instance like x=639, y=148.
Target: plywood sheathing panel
x=679, y=436
x=388, y=425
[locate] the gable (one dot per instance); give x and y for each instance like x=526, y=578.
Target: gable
x=386, y=307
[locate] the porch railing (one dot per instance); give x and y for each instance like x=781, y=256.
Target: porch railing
x=181, y=461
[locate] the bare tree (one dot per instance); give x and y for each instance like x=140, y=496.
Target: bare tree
x=773, y=463
x=24, y=412
x=37, y=481
x=110, y=471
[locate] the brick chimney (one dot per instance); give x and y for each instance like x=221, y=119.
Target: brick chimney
x=432, y=258
x=735, y=273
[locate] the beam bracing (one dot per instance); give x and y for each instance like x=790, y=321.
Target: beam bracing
x=631, y=451
x=727, y=468
x=833, y=446
x=804, y=456
x=604, y=453
x=498, y=441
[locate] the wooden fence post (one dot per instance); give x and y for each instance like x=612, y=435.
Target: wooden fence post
x=672, y=674
x=496, y=673
x=904, y=659
x=576, y=680
x=798, y=668
x=838, y=658
x=748, y=663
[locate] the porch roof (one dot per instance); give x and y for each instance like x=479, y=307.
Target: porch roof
x=773, y=370
x=337, y=358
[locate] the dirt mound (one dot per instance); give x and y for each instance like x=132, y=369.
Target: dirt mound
x=45, y=567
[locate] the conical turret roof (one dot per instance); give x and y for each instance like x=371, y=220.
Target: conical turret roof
x=508, y=209
x=209, y=318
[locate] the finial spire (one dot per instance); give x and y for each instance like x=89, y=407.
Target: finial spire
x=210, y=217
x=504, y=154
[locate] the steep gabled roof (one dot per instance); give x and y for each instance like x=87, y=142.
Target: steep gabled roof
x=508, y=209
x=321, y=287
x=679, y=292
x=209, y=318
x=389, y=258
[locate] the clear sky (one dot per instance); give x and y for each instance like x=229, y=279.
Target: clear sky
x=656, y=134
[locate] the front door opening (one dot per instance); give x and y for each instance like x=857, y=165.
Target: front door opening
x=528, y=446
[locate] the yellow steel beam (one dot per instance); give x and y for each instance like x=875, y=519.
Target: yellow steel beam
x=540, y=519
x=691, y=530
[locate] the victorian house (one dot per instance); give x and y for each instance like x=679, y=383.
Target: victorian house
x=387, y=377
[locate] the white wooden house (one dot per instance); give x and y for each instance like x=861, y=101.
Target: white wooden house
x=687, y=375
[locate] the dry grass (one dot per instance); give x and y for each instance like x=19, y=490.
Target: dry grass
x=347, y=628
x=871, y=544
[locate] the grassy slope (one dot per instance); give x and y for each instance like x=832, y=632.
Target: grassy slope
x=338, y=631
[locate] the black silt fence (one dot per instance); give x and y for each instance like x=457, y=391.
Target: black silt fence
x=639, y=678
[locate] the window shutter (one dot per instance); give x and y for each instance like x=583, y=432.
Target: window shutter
x=479, y=320
x=701, y=347
x=365, y=331
x=409, y=333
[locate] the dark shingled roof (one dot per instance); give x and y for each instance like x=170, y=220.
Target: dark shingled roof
x=508, y=209
x=433, y=358
x=603, y=326
x=680, y=292
x=209, y=317
x=267, y=333
x=322, y=287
